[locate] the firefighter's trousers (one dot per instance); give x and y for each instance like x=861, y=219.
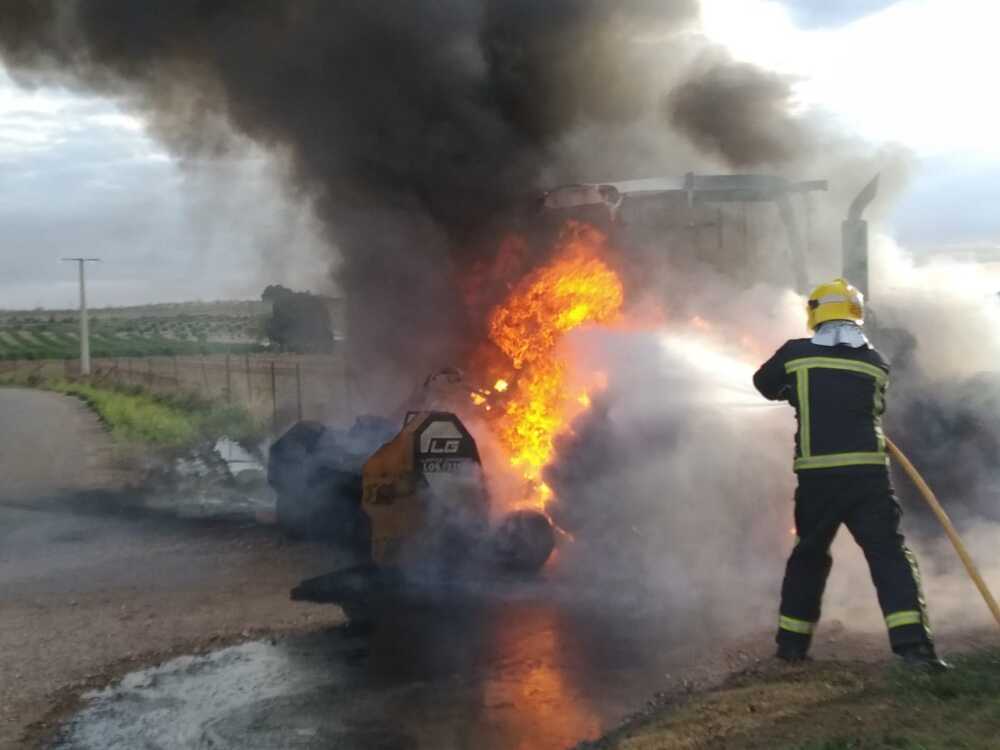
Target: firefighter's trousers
x=865, y=503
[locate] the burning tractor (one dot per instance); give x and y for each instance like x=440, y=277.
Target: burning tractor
x=402, y=498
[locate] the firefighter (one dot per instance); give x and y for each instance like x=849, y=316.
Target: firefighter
x=837, y=383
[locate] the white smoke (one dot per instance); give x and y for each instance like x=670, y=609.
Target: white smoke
x=677, y=485
x=950, y=305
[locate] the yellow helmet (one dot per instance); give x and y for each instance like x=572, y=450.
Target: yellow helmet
x=837, y=300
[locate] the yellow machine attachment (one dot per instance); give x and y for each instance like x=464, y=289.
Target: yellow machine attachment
x=424, y=501
x=424, y=487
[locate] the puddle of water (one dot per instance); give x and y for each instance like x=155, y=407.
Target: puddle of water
x=519, y=674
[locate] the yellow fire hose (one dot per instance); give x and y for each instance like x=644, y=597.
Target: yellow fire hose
x=949, y=527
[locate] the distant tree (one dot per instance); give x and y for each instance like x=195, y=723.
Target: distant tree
x=273, y=292
x=299, y=322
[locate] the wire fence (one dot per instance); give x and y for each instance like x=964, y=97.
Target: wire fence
x=278, y=388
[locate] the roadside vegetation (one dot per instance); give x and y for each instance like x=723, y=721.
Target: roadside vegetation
x=167, y=422
x=831, y=706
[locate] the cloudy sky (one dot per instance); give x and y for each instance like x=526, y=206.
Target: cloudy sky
x=78, y=176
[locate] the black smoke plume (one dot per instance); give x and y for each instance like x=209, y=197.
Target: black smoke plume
x=409, y=125
x=739, y=112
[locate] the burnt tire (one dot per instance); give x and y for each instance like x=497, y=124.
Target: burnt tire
x=290, y=457
x=329, y=512
x=523, y=541
x=316, y=472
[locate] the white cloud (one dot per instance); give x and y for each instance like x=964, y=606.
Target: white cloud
x=118, y=120
x=35, y=120
x=38, y=101
x=920, y=72
x=76, y=172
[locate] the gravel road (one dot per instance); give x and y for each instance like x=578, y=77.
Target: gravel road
x=49, y=443
x=92, y=585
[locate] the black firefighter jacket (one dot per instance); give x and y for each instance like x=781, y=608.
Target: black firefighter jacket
x=839, y=396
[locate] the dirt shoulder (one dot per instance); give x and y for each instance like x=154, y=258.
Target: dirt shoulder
x=832, y=705
x=93, y=584
x=139, y=601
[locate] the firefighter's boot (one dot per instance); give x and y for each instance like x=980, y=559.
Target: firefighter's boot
x=922, y=657
x=793, y=653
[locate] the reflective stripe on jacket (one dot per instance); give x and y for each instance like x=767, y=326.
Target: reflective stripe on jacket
x=839, y=397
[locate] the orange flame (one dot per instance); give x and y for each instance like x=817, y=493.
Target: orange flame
x=575, y=288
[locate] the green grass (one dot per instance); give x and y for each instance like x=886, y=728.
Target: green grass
x=168, y=422
x=135, y=417
x=832, y=706
x=958, y=709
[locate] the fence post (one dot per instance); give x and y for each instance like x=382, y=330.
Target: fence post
x=274, y=401
x=246, y=362
x=298, y=387
x=229, y=381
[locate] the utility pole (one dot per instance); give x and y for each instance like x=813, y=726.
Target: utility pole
x=84, y=324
